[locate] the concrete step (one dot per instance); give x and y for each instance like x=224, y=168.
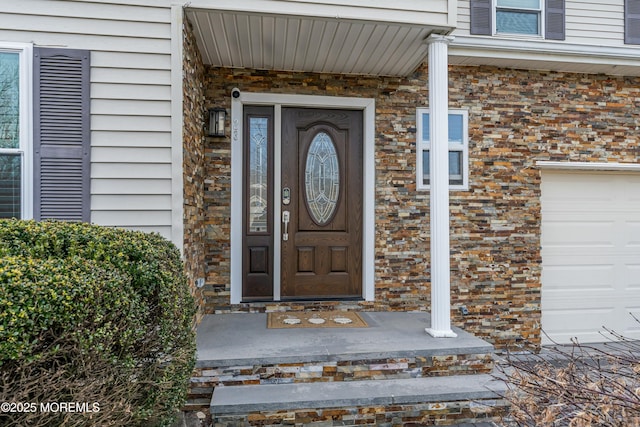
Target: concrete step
x=371, y=375
x=445, y=400
x=244, y=339
x=238, y=349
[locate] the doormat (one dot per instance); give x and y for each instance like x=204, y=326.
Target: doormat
x=315, y=319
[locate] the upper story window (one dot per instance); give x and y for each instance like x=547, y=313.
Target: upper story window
x=632, y=21
x=458, y=144
x=519, y=17
x=533, y=18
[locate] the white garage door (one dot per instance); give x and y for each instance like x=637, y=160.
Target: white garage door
x=590, y=254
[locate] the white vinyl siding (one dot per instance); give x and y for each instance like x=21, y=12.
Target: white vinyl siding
x=464, y=18
x=151, y=170
x=141, y=187
x=130, y=98
x=123, y=91
x=130, y=202
x=588, y=22
x=109, y=138
x=595, y=22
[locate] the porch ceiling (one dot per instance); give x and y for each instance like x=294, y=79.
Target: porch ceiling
x=309, y=44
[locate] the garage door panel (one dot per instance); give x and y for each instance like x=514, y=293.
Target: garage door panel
x=579, y=233
x=633, y=236
x=633, y=277
x=566, y=337
x=586, y=257
x=598, y=300
x=619, y=278
x=578, y=207
x=590, y=254
x=578, y=322
x=583, y=257
x=577, y=319
x=632, y=327
x=578, y=277
x=587, y=188
x=631, y=301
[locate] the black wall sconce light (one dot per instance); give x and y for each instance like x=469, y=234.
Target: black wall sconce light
x=217, y=118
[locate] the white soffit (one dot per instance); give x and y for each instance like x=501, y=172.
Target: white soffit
x=308, y=44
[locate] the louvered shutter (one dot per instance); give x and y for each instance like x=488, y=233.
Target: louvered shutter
x=554, y=25
x=481, y=17
x=632, y=21
x=61, y=134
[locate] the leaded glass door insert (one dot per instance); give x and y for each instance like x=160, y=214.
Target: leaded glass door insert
x=258, y=174
x=322, y=179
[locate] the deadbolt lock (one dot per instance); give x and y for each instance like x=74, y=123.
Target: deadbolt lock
x=286, y=195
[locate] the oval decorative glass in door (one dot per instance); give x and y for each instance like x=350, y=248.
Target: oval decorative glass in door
x=322, y=179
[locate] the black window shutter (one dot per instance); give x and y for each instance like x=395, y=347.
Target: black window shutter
x=632, y=21
x=481, y=17
x=61, y=134
x=554, y=22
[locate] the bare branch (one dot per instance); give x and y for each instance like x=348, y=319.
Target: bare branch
x=577, y=385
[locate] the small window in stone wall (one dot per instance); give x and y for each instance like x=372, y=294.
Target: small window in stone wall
x=458, y=143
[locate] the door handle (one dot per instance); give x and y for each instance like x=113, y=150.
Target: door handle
x=285, y=223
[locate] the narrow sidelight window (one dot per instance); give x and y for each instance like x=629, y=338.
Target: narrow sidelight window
x=258, y=204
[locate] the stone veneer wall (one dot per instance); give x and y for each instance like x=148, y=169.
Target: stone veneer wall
x=515, y=119
x=451, y=413
x=206, y=378
x=193, y=164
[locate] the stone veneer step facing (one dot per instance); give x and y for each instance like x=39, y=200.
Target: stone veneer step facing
x=205, y=379
x=407, y=402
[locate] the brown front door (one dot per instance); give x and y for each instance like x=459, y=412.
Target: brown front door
x=321, y=203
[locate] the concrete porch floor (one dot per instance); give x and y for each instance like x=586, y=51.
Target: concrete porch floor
x=244, y=339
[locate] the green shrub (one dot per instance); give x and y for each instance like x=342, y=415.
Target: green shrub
x=93, y=314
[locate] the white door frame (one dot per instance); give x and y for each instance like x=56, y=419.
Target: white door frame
x=367, y=105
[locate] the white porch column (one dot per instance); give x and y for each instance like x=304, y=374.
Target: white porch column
x=439, y=181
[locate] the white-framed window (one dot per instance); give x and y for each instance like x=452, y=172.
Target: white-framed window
x=523, y=17
x=15, y=135
x=519, y=18
x=458, y=149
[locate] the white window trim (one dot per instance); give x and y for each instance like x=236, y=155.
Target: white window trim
x=25, y=52
x=494, y=30
x=588, y=166
x=426, y=145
